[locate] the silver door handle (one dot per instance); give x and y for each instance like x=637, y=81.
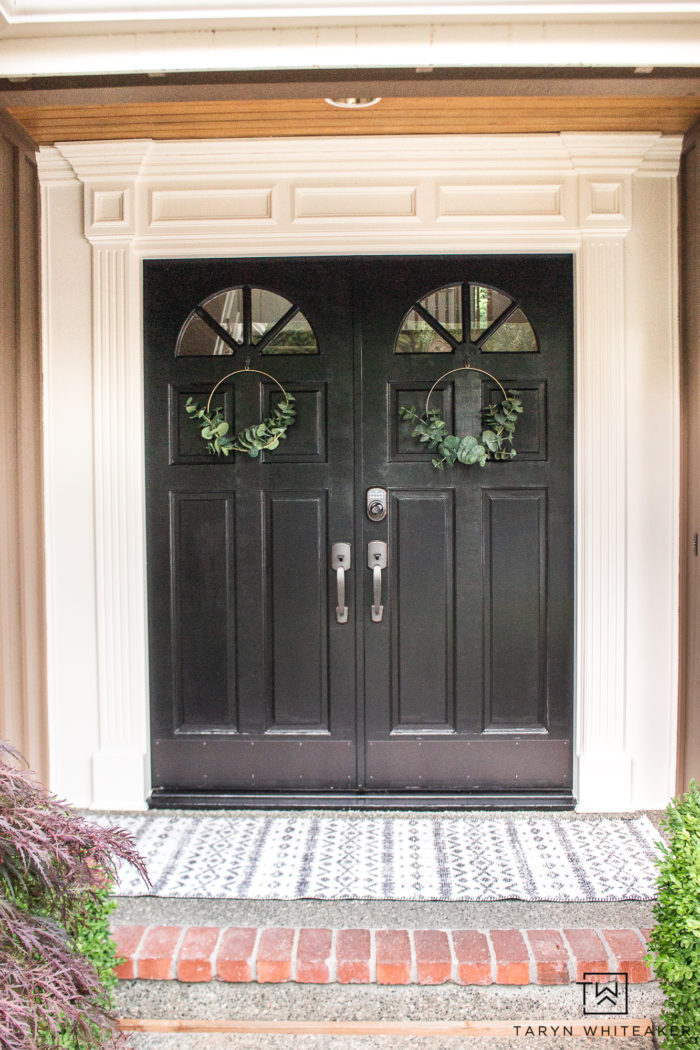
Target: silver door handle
x=340, y=561
x=376, y=561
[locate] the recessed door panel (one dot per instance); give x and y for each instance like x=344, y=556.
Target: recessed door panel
x=515, y=609
x=297, y=599
x=204, y=611
x=422, y=545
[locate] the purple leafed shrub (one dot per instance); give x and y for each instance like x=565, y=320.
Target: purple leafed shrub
x=53, y=863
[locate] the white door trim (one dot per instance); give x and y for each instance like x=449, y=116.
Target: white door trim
x=608, y=198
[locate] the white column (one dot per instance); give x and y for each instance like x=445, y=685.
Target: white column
x=119, y=766
x=68, y=482
x=603, y=764
x=110, y=220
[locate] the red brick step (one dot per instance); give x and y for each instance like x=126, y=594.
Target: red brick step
x=323, y=956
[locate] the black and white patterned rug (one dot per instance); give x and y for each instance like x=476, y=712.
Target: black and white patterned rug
x=442, y=856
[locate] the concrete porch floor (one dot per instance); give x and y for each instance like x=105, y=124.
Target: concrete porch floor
x=533, y=1002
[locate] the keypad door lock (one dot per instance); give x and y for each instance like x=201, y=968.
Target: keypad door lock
x=376, y=504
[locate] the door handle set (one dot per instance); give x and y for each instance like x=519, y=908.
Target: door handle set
x=376, y=561
x=340, y=561
x=376, y=508
x=340, y=564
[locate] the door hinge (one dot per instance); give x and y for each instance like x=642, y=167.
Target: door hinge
x=695, y=544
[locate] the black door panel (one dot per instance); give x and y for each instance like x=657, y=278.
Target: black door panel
x=465, y=685
x=252, y=683
x=474, y=658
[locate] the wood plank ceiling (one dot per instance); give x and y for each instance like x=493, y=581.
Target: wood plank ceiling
x=266, y=117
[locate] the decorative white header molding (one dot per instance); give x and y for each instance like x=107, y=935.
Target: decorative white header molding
x=533, y=186
x=606, y=198
x=437, y=155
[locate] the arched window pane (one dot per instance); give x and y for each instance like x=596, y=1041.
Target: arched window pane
x=245, y=316
x=514, y=336
x=296, y=337
x=266, y=310
x=199, y=339
x=438, y=324
x=486, y=306
x=445, y=305
x=418, y=337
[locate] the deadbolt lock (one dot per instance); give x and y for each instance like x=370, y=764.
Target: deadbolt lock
x=376, y=504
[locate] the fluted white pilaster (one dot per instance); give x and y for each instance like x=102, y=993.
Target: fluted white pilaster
x=604, y=767
x=119, y=770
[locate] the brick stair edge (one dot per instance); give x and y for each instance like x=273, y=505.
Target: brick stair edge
x=321, y=955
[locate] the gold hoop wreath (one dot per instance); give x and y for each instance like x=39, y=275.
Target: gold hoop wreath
x=252, y=440
x=496, y=441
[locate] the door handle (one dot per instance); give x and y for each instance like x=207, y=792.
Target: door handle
x=376, y=561
x=340, y=561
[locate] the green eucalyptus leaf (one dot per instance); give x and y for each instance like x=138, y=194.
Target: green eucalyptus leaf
x=465, y=446
x=475, y=454
x=499, y=421
x=489, y=439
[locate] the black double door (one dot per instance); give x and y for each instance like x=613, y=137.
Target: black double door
x=462, y=685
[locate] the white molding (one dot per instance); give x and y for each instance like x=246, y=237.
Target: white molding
x=119, y=766
x=69, y=505
x=225, y=206
x=604, y=767
x=361, y=42
x=663, y=157
x=88, y=11
x=176, y=161
x=653, y=402
x=563, y=192
x=605, y=203
x=54, y=168
x=531, y=189
x=596, y=152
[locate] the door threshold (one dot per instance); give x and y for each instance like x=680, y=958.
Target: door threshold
x=559, y=800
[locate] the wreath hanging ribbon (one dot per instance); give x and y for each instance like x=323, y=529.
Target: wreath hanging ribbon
x=266, y=434
x=496, y=441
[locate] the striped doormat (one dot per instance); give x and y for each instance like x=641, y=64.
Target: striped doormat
x=369, y=856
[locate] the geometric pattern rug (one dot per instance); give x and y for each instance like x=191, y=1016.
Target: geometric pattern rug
x=368, y=856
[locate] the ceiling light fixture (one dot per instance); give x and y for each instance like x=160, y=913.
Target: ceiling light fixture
x=352, y=103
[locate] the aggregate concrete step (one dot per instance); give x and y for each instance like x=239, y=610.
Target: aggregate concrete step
x=526, y=1016
x=331, y=1042
x=338, y=914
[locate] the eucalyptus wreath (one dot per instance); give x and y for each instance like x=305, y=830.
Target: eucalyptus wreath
x=496, y=441
x=253, y=439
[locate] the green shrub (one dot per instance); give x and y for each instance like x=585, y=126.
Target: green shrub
x=93, y=938
x=56, y=953
x=674, y=945
x=90, y=936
